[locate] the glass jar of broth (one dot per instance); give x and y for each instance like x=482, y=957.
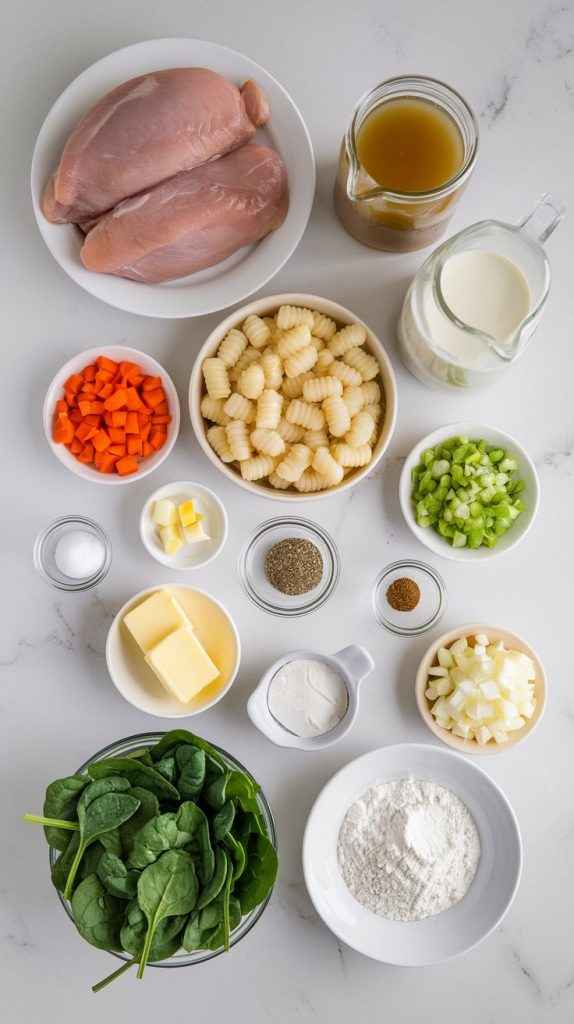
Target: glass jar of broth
x=406, y=158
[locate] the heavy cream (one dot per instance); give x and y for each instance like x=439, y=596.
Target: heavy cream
x=487, y=292
x=307, y=697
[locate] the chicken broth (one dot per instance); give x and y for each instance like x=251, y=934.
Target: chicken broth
x=410, y=145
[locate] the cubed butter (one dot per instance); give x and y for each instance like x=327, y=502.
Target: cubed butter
x=164, y=513
x=187, y=513
x=170, y=539
x=182, y=665
x=153, y=619
x=195, y=533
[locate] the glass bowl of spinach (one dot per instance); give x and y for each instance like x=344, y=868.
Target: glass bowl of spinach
x=162, y=850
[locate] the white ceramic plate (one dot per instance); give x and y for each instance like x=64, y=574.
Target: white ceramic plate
x=244, y=272
x=446, y=935
x=206, y=502
x=138, y=684
x=526, y=471
x=56, y=391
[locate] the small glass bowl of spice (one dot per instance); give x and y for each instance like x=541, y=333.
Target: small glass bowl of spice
x=289, y=566
x=73, y=553
x=408, y=598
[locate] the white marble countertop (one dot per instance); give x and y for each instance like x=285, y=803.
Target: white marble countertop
x=515, y=64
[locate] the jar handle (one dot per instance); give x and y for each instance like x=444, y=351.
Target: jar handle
x=543, y=218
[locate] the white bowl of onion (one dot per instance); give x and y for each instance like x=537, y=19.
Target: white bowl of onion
x=481, y=689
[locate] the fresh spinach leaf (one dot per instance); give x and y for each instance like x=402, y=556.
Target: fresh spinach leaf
x=149, y=808
x=214, y=887
x=164, y=832
x=61, y=801
x=223, y=820
x=238, y=855
x=167, y=936
x=61, y=867
x=95, y=818
x=190, y=763
x=166, y=767
x=139, y=775
x=176, y=736
x=258, y=878
x=97, y=915
x=193, y=822
x=115, y=877
x=166, y=889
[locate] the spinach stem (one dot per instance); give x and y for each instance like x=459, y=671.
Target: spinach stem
x=112, y=977
x=55, y=822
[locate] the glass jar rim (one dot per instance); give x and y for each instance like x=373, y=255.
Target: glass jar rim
x=436, y=90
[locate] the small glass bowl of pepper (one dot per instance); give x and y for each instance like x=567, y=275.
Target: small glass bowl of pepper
x=408, y=597
x=289, y=566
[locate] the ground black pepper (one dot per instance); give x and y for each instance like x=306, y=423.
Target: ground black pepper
x=294, y=566
x=403, y=594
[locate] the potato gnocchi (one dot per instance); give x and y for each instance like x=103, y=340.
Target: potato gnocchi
x=293, y=400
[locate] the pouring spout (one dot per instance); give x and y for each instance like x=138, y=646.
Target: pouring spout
x=543, y=218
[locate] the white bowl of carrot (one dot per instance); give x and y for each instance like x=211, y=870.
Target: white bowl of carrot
x=111, y=414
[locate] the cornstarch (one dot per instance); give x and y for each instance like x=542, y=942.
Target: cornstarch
x=408, y=849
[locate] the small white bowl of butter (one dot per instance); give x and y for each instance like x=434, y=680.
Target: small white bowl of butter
x=194, y=544
x=309, y=700
x=173, y=651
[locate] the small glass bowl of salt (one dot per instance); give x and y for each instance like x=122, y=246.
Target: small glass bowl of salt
x=73, y=553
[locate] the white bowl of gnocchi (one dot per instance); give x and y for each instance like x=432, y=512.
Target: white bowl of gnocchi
x=293, y=397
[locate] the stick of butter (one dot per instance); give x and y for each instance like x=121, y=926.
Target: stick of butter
x=156, y=617
x=182, y=665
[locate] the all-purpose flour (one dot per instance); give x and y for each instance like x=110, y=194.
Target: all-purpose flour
x=408, y=849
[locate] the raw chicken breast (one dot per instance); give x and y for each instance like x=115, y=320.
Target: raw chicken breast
x=192, y=221
x=145, y=131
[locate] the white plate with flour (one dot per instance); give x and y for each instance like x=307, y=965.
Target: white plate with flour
x=444, y=935
x=242, y=273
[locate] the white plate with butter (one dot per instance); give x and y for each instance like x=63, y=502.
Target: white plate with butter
x=212, y=524
x=137, y=666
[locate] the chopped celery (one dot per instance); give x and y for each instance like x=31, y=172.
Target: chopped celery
x=466, y=491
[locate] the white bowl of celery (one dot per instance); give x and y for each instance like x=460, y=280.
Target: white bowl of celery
x=469, y=491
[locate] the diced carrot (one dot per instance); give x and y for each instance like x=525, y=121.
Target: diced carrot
x=104, y=391
x=103, y=363
x=129, y=370
x=89, y=372
x=85, y=407
x=70, y=398
x=155, y=397
x=63, y=430
x=117, y=435
x=143, y=419
x=147, y=449
x=116, y=401
x=61, y=406
x=135, y=445
x=101, y=441
x=132, y=425
x=84, y=432
x=150, y=383
x=104, y=377
x=157, y=438
x=96, y=406
x=127, y=465
x=162, y=408
x=133, y=400
x=107, y=463
x=119, y=418
x=76, y=416
x=74, y=383
x=144, y=431
x=87, y=455
x=76, y=447
x=117, y=449
x=137, y=379
x=93, y=419
x=161, y=419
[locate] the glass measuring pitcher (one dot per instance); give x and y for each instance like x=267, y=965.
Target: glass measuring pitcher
x=390, y=218
x=474, y=305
